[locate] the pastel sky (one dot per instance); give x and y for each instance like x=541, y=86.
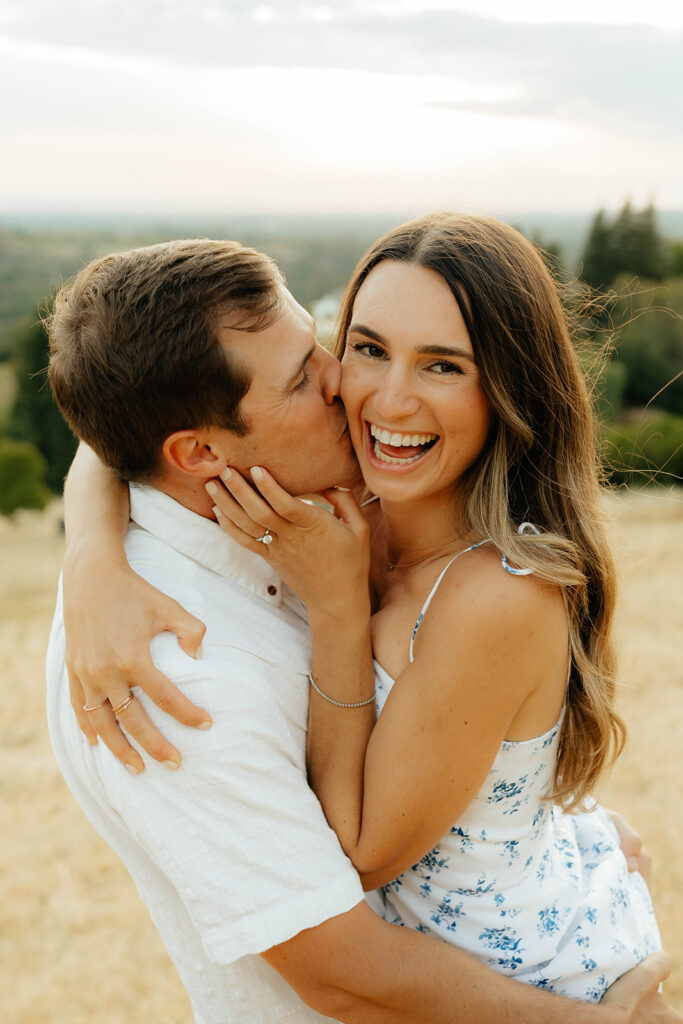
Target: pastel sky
x=237, y=106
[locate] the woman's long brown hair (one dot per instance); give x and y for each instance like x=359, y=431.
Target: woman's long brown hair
x=541, y=461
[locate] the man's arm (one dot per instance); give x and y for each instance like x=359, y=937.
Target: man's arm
x=110, y=616
x=358, y=969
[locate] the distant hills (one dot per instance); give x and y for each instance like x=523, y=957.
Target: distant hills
x=316, y=253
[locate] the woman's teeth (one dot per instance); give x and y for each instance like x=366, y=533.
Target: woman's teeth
x=386, y=438
x=400, y=440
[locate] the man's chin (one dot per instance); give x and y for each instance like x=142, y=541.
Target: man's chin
x=353, y=479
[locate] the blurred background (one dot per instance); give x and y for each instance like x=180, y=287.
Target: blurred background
x=306, y=129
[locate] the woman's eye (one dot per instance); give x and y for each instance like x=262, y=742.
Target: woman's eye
x=366, y=348
x=444, y=368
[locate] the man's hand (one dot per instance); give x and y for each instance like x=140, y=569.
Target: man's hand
x=637, y=856
x=635, y=993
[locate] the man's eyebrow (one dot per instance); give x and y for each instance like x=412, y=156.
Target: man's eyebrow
x=299, y=370
x=425, y=350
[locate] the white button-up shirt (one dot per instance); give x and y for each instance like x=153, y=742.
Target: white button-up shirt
x=231, y=853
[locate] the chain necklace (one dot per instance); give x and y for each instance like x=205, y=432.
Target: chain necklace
x=406, y=565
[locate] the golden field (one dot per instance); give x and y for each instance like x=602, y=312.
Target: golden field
x=76, y=944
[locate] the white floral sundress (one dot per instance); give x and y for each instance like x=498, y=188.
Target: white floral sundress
x=540, y=895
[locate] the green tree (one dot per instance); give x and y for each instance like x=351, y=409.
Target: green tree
x=598, y=260
x=648, y=450
x=625, y=254
x=648, y=252
x=650, y=345
x=630, y=245
x=35, y=416
x=22, y=472
x=676, y=258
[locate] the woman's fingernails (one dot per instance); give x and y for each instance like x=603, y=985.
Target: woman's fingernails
x=256, y=473
x=225, y=474
x=216, y=511
x=633, y=863
x=132, y=768
x=205, y=725
x=171, y=765
x=211, y=487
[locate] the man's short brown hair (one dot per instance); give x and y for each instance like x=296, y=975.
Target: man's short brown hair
x=134, y=348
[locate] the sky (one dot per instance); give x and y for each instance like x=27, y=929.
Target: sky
x=345, y=106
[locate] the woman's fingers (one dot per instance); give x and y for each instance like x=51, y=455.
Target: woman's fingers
x=190, y=632
x=171, y=700
x=347, y=509
x=78, y=703
x=104, y=722
x=245, y=540
x=300, y=512
x=241, y=505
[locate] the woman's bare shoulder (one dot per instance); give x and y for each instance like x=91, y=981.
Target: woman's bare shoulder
x=478, y=590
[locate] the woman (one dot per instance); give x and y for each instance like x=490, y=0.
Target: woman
x=493, y=594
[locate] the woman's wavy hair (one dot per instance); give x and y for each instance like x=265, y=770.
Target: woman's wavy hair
x=541, y=461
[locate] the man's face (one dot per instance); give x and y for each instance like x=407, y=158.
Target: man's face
x=297, y=425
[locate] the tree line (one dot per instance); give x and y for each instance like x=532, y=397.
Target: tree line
x=635, y=273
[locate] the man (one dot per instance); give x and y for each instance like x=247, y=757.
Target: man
x=173, y=362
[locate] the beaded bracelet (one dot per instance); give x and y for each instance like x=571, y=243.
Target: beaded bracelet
x=338, y=703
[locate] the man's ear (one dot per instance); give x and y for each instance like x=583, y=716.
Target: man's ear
x=191, y=451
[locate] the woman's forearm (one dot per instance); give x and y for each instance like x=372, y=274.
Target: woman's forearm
x=337, y=736
x=96, y=507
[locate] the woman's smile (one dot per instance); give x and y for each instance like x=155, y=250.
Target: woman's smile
x=394, y=448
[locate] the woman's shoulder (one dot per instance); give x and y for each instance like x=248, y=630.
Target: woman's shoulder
x=479, y=590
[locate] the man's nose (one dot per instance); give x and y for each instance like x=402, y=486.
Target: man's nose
x=331, y=375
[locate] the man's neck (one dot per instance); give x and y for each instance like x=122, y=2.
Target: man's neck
x=188, y=491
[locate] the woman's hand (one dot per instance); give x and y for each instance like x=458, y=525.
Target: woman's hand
x=323, y=556
x=108, y=632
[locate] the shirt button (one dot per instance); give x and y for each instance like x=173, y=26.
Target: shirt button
x=272, y=590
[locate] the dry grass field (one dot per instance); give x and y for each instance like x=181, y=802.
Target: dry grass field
x=77, y=946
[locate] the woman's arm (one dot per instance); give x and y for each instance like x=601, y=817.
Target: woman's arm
x=484, y=650
x=110, y=617
x=326, y=560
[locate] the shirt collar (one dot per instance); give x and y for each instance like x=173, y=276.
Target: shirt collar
x=202, y=540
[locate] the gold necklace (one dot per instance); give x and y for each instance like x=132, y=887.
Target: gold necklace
x=406, y=565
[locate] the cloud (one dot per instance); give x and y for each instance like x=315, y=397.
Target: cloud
x=622, y=77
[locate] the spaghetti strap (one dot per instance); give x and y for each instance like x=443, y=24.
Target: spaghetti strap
x=441, y=575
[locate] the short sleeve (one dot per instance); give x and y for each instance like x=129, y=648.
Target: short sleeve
x=236, y=829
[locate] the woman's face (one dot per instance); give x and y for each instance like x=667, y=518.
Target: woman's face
x=417, y=413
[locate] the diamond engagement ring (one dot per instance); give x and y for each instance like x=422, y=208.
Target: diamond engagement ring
x=265, y=538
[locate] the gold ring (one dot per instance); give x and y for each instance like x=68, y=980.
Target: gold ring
x=96, y=706
x=124, y=703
